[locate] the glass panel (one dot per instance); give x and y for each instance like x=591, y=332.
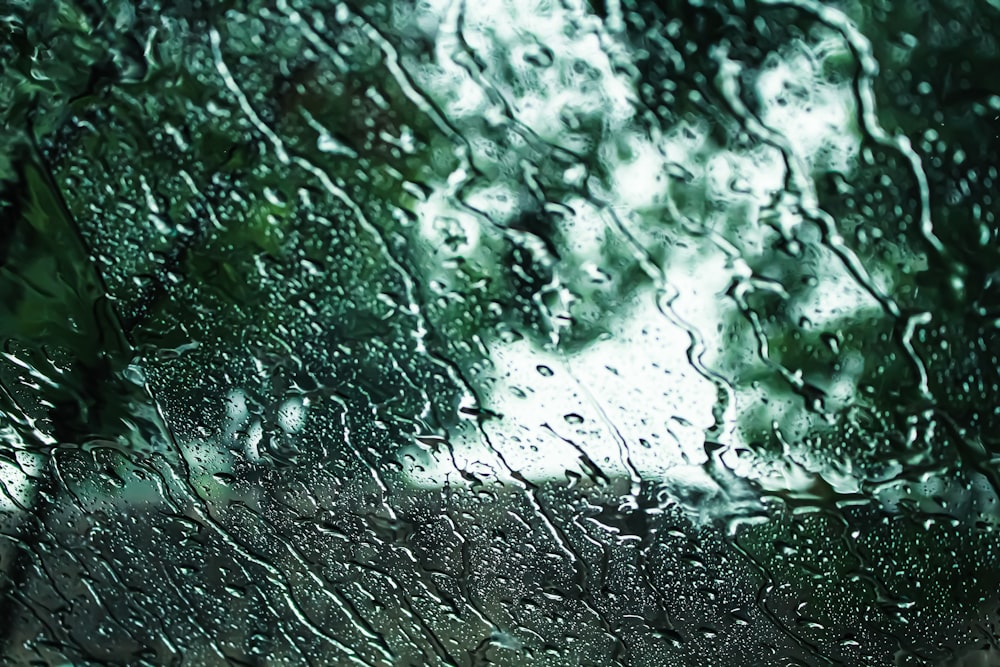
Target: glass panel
x=518, y=332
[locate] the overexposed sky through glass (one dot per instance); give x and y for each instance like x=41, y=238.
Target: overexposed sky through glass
x=633, y=398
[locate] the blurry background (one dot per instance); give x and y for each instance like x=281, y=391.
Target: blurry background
x=514, y=332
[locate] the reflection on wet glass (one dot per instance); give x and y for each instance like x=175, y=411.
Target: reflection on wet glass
x=520, y=333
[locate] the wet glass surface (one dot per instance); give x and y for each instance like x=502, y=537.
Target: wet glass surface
x=432, y=332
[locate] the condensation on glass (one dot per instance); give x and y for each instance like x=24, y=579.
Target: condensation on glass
x=434, y=332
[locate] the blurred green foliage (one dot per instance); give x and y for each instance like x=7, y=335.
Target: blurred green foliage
x=226, y=196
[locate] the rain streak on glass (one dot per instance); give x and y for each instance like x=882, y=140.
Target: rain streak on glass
x=522, y=332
